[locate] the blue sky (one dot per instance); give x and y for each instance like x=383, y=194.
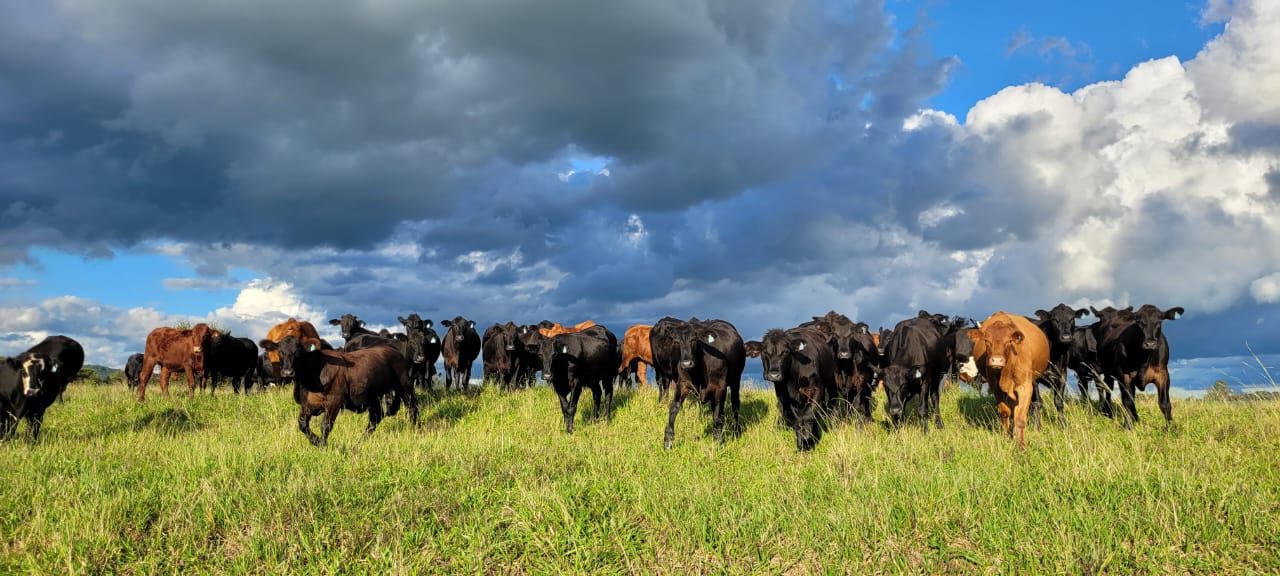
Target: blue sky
x=1063, y=44
x=637, y=159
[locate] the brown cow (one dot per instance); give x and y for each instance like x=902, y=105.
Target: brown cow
x=1011, y=352
x=635, y=349
x=553, y=329
x=290, y=327
x=173, y=349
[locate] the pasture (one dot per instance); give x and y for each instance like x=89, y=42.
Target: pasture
x=491, y=484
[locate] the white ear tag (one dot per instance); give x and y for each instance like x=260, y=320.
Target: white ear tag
x=433, y=340
x=800, y=348
x=312, y=348
x=55, y=368
x=711, y=339
x=917, y=372
x=564, y=349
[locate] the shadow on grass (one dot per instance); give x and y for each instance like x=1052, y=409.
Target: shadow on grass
x=979, y=411
x=168, y=422
x=445, y=410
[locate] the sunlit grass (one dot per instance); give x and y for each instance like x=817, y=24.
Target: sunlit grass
x=490, y=483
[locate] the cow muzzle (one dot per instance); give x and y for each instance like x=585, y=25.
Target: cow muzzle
x=686, y=363
x=286, y=373
x=1149, y=344
x=995, y=362
x=1064, y=338
x=844, y=355
x=510, y=348
x=419, y=359
x=773, y=376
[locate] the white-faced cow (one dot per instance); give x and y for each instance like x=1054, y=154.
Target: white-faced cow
x=32, y=380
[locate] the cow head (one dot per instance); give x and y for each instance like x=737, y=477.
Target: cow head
x=31, y=369
x=203, y=339
x=882, y=343
x=776, y=349
x=1001, y=341
x=897, y=381
x=1110, y=314
x=691, y=337
x=1150, y=320
x=1060, y=323
x=348, y=324
x=842, y=338
x=459, y=327
x=292, y=351
x=417, y=346
x=550, y=351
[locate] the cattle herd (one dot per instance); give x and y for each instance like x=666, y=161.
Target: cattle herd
x=823, y=371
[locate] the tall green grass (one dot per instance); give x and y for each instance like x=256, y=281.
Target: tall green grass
x=491, y=484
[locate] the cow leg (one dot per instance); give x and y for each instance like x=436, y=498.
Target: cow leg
x=411, y=400
x=33, y=425
x=326, y=425
x=642, y=374
x=565, y=412
x=936, y=397
x=1059, y=389
x=1126, y=396
x=607, y=386
x=1005, y=412
x=717, y=422
x=165, y=373
x=1020, y=413
x=375, y=416
x=1104, y=396
x=925, y=405
x=448, y=377
x=304, y=424
x=1037, y=402
x=663, y=384
x=191, y=382
x=7, y=426
x=1161, y=378
x=144, y=377
x=677, y=398
x=735, y=402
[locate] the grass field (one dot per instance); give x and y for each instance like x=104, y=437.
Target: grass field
x=491, y=484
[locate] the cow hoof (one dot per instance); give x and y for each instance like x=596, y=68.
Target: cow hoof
x=666, y=443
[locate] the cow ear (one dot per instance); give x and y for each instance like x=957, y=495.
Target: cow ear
x=800, y=347
x=334, y=322
x=1082, y=312
x=564, y=348
x=53, y=367
x=1173, y=313
x=446, y=323
x=471, y=324
x=402, y=320
x=975, y=335
x=360, y=322
x=1018, y=336
x=1041, y=314
x=753, y=348
x=267, y=344
x=917, y=373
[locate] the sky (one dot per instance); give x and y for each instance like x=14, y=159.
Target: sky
x=758, y=161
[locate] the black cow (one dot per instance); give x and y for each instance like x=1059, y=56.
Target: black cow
x=957, y=348
x=328, y=381
x=580, y=360
x=1059, y=326
x=422, y=372
x=712, y=357
x=460, y=348
x=1084, y=362
x=32, y=380
x=1135, y=352
x=916, y=362
x=856, y=361
x=234, y=358
x=350, y=326
x=132, y=371
x=801, y=365
x=499, y=355
x=529, y=352
x=267, y=373
x=665, y=346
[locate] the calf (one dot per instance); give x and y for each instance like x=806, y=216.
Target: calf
x=1134, y=352
x=573, y=361
x=1059, y=326
x=32, y=380
x=172, y=349
x=350, y=327
x=801, y=365
x=1084, y=362
x=915, y=362
x=665, y=349
x=1011, y=352
x=498, y=354
x=327, y=381
x=422, y=371
x=268, y=372
x=234, y=358
x=460, y=348
x=637, y=354
x=712, y=357
x=856, y=360
x=132, y=370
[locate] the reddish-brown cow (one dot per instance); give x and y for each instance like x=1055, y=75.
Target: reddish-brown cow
x=1009, y=351
x=291, y=327
x=173, y=349
x=635, y=349
x=553, y=329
